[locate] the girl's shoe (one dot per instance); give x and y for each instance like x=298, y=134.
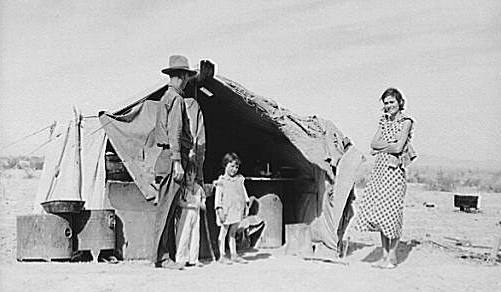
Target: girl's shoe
x=384, y=265
x=224, y=261
x=388, y=265
x=239, y=260
x=197, y=264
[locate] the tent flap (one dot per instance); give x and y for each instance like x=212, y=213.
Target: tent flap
x=131, y=135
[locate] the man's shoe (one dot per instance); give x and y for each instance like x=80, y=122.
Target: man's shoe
x=172, y=265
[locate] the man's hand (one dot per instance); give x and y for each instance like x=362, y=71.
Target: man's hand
x=178, y=173
x=246, y=209
x=221, y=215
x=183, y=204
x=191, y=155
x=216, y=183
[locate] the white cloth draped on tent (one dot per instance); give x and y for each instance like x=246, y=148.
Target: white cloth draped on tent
x=59, y=179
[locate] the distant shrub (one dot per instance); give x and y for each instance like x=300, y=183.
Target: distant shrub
x=450, y=180
x=36, y=162
x=443, y=182
x=22, y=162
x=29, y=173
x=444, y=179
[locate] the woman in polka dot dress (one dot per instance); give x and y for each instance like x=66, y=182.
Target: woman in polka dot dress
x=381, y=208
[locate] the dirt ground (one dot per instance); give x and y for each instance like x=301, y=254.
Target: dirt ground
x=442, y=249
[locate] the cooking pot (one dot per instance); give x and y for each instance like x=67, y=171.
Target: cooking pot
x=63, y=206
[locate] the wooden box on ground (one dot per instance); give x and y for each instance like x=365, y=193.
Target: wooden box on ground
x=298, y=240
x=44, y=237
x=95, y=231
x=135, y=234
x=135, y=220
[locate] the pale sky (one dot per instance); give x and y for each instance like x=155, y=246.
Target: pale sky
x=329, y=58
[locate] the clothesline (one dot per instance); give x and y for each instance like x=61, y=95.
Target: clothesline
x=28, y=136
x=39, y=147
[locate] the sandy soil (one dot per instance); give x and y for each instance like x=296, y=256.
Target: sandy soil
x=429, y=255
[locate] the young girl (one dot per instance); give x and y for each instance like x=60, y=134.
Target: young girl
x=191, y=200
x=230, y=203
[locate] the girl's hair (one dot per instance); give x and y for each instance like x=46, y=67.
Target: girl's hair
x=230, y=157
x=191, y=167
x=396, y=94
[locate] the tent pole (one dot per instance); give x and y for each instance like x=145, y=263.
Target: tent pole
x=58, y=165
x=78, y=151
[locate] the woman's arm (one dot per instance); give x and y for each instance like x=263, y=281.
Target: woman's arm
x=378, y=143
x=398, y=146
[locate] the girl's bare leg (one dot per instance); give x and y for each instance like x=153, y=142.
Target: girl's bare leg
x=233, y=242
x=222, y=240
x=233, y=245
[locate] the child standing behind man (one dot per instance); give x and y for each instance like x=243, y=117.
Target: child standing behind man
x=191, y=200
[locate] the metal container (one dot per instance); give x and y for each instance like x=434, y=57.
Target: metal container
x=95, y=231
x=63, y=206
x=270, y=210
x=43, y=237
x=298, y=240
x=466, y=202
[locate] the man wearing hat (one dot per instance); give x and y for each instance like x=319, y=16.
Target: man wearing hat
x=172, y=133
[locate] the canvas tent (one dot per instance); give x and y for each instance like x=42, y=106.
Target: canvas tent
x=257, y=128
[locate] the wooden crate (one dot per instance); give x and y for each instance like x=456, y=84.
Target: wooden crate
x=44, y=237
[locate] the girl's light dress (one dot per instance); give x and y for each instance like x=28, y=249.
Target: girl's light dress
x=231, y=196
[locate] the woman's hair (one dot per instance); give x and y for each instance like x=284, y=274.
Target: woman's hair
x=396, y=94
x=230, y=157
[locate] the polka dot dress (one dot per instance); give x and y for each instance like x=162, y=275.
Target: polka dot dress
x=381, y=207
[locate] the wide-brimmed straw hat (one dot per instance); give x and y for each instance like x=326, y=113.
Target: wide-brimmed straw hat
x=178, y=63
